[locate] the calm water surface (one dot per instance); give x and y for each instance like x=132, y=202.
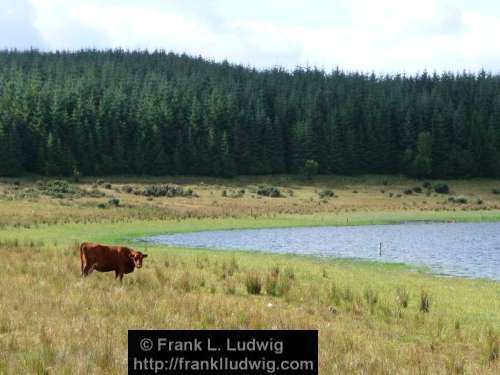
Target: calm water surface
x=471, y=250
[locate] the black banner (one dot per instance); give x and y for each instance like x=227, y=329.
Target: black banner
x=222, y=352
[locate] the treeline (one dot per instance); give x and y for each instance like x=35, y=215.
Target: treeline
x=117, y=112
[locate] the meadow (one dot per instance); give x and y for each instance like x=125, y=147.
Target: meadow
x=373, y=318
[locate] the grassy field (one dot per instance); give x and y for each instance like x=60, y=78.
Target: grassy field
x=373, y=318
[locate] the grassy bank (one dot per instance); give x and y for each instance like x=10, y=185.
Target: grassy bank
x=373, y=318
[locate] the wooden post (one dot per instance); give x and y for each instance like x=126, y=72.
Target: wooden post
x=380, y=249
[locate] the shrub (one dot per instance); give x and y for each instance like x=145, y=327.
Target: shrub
x=127, y=189
x=114, y=202
x=253, y=283
x=441, y=188
x=408, y=191
x=460, y=200
x=492, y=346
x=101, y=205
x=58, y=188
x=425, y=301
x=402, y=297
x=479, y=201
x=335, y=294
x=229, y=268
x=417, y=189
x=496, y=191
x=107, y=185
x=233, y=193
x=324, y=194
x=271, y=285
x=269, y=191
x=99, y=182
x=161, y=190
x=371, y=298
x=426, y=184
x=391, y=195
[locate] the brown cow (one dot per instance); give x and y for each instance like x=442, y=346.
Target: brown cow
x=104, y=258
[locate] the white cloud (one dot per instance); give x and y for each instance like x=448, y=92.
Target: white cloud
x=385, y=36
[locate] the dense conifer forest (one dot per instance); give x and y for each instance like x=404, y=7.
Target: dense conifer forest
x=118, y=112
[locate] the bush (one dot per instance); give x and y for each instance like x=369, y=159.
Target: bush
x=233, y=193
x=58, y=189
x=326, y=194
x=127, y=189
x=271, y=285
x=253, y=283
x=417, y=189
x=371, y=298
x=479, y=201
x=408, y=191
x=496, y=191
x=441, y=188
x=492, y=343
x=425, y=301
x=99, y=182
x=161, y=190
x=114, y=202
x=460, y=200
x=426, y=184
x=107, y=185
x=269, y=191
x=402, y=297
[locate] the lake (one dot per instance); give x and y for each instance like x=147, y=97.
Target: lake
x=464, y=249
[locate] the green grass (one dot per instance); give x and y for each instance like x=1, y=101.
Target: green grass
x=128, y=231
x=369, y=314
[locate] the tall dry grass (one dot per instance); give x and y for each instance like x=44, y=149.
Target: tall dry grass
x=52, y=321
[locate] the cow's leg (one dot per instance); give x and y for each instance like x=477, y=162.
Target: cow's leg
x=87, y=270
x=121, y=277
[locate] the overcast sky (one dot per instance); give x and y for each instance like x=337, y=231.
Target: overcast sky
x=384, y=36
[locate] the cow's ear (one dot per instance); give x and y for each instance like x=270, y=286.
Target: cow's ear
x=131, y=255
x=145, y=255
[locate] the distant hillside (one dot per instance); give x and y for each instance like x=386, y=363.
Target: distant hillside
x=117, y=112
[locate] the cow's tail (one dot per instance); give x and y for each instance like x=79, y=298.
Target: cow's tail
x=82, y=266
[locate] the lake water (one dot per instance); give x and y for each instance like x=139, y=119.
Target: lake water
x=470, y=250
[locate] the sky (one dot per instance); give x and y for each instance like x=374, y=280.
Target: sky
x=383, y=36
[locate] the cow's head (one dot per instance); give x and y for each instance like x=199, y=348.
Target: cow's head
x=137, y=257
